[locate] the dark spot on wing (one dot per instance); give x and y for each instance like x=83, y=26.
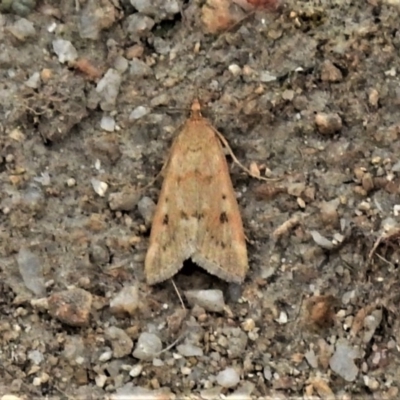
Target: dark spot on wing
x=198, y=215
x=223, y=245
x=184, y=215
x=223, y=218
x=224, y=197
x=166, y=219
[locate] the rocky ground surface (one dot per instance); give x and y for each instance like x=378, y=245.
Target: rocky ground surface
x=92, y=93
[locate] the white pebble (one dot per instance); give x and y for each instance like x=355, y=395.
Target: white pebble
x=126, y=300
x=190, y=350
x=321, y=240
x=147, y=347
x=100, y=380
x=107, y=123
x=138, y=113
x=228, y=378
x=265, y=76
x=64, y=50
x=235, y=70
x=210, y=300
x=37, y=381
x=121, y=64
x=106, y=356
x=186, y=370
x=99, y=187
x=267, y=373
x=157, y=362
x=136, y=370
x=283, y=318
x=34, y=81
x=342, y=362
x=108, y=88
x=71, y=182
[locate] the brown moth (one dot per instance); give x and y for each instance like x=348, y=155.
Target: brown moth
x=197, y=215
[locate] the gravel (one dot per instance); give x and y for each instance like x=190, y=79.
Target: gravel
x=93, y=94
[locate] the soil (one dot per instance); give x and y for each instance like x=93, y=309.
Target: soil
x=307, y=95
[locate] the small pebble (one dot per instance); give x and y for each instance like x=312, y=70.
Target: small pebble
x=228, y=378
x=321, y=240
x=138, y=113
x=22, y=29
x=107, y=123
x=139, y=69
x=190, y=350
x=146, y=208
x=71, y=307
x=108, y=88
x=248, y=325
x=100, y=380
x=121, y=64
x=34, y=81
x=186, y=371
x=137, y=25
x=64, y=50
x=267, y=373
x=135, y=51
x=147, y=347
x=30, y=269
x=71, y=182
x=328, y=124
x=99, y=187
x=158, y=363
x=235, y=70
x=36, y=357
x=311, y=358
x=210, y=300
x=126, y=302
x=121, y=343
x=106, y=356
x=283, y=318
x=266, y=77
x=36, y=381
x=342, y=361
x=330, y=73
x=125, y=200
x=136, y=370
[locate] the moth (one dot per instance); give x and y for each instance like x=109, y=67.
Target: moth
x=197, y=216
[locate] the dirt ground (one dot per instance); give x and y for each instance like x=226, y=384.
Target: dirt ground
x=92, y=94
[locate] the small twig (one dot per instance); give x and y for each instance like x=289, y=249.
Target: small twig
x=376, y=244
x=384, y=260
x=179, y=295
x=173, y=344
x=300, y=307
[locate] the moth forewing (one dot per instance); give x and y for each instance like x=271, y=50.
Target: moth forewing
x=197, y=215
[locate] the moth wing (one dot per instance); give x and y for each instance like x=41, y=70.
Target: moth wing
x=221, y=244
x=173, y=232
